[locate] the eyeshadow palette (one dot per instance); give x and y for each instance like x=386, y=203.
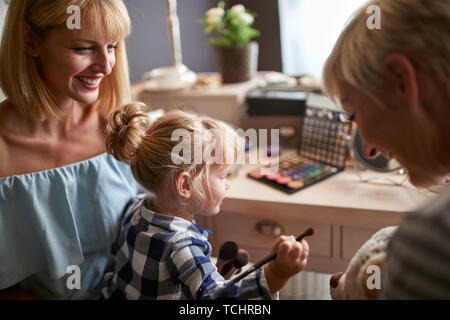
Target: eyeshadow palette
x=322, y=152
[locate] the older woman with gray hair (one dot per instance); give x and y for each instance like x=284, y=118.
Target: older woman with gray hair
x=395, y=82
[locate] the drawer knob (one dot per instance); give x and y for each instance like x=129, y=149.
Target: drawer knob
x=269, y=227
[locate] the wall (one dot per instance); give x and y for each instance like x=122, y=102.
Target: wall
x=306, y=40
x=148, y=45
x=267, y=22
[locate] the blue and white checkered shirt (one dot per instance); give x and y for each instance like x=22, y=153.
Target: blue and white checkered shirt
x=167, y=257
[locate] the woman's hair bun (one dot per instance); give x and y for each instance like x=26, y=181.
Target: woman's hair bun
x=127, y=127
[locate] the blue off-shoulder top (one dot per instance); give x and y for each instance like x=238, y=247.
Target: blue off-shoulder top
x=57, y=226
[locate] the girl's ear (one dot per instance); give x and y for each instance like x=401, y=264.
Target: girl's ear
x=183, y=184
x=31, y=41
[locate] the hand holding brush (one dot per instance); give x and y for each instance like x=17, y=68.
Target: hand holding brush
x=293, y=259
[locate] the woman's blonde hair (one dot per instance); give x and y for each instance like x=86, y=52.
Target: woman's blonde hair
x=149, y=146
x=20, y=77
x=418, y=29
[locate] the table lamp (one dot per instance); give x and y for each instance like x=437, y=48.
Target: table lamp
x=177, y=76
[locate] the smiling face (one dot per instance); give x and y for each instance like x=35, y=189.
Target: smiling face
x=74, y=63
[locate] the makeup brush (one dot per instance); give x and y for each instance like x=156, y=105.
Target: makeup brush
x=272, y=256
x=242, y=259
x=235, y=266
x=227, y=253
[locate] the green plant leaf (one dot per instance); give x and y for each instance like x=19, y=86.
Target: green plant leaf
x=230, y=31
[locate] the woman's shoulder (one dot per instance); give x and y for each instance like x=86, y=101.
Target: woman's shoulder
x=13, y=140
x=29, y=146
x=95, y=168
x=75, y=213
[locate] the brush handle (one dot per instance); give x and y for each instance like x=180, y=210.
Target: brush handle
x=257, y=265
x=272, y=256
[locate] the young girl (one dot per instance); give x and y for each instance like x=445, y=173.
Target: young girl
x=163, y=254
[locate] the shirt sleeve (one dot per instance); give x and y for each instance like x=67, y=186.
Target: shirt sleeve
x=418, y=259
x=199, y=277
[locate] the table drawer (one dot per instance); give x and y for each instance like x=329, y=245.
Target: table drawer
x=260, y=233
x=353, y=239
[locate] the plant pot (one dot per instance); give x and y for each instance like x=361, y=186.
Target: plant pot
x=238, y=64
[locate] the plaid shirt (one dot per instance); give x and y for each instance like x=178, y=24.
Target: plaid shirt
x=167, y=257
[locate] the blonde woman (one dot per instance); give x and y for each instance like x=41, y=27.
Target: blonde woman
x=395, y=81
x=162, y=253
x=61, y=195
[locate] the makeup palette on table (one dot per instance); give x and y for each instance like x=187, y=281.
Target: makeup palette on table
x=322, y=152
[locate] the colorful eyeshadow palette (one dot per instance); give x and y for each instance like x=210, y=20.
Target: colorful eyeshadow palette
x=322, y=153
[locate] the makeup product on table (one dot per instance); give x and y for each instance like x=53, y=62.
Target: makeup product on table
x=322, y=152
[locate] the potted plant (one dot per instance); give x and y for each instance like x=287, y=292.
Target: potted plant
x=231, y=34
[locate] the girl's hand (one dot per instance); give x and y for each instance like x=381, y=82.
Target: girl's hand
x=291, y=259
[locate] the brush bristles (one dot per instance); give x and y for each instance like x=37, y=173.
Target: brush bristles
x=242, y=259
x=228, y=250
x=309, y=232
